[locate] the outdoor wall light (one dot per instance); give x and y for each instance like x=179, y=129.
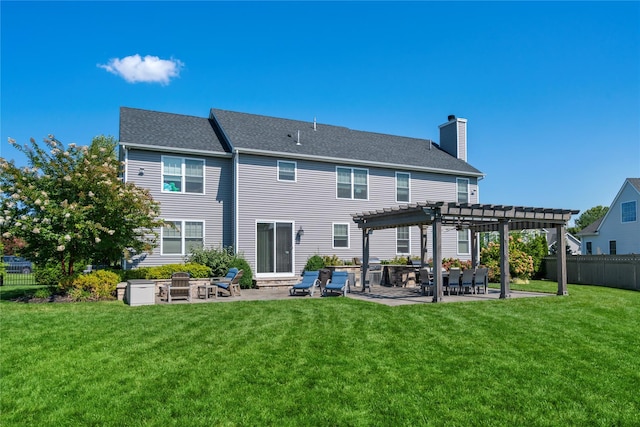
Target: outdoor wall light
x=141, y=171
x=300, y=233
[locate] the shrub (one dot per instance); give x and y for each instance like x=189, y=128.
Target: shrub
x=49, y=275
x=97, y=285
x=43, y=293
x=77, y=294
x=332, y=260
x=314, y=263
x=520, y=263
x=217, y=259
x=165, y=271
x=456, y=263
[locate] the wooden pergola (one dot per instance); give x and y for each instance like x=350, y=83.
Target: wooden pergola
x=475, y=217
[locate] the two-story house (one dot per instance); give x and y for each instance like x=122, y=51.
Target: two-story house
x=618, y=232
x=280, y=191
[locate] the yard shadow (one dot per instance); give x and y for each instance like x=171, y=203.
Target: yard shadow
x=12, y=293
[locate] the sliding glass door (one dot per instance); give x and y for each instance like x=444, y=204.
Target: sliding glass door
x=274, y=248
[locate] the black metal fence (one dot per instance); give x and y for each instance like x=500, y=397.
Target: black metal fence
x=17, y=279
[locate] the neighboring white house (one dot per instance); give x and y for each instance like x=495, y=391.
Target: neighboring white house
x=618, y=232
x=572, y=242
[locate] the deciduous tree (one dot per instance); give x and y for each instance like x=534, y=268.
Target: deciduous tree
x=69, y=204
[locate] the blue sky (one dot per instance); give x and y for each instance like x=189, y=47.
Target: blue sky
x=551, y=90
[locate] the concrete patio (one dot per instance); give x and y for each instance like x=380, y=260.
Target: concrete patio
x=390, y=296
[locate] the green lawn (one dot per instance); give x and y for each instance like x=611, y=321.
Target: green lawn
x=556, y=361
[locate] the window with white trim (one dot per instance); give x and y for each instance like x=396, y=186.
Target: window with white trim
x=352, y=183
x=287, y=170
x=182, y=175
x=464, y=244
x=181, y=237
x=403, y=187
x=340, y=236
x=462, y=185
x=628, y=210
x=403, y=241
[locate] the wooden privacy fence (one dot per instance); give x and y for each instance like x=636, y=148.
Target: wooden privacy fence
x=614, y=271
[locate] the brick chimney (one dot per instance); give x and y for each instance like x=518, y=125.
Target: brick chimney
x=453, y=137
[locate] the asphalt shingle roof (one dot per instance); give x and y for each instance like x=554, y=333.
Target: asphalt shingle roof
x=635, y=182
x=276, y=136
x=157, y=129
x=255, y=132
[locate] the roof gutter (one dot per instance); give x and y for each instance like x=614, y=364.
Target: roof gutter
x=175, y=150
x=358, y=162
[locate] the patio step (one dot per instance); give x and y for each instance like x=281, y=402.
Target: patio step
x=276, y=282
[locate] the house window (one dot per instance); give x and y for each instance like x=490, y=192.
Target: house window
x=463, y=190
x=340, y=236
x=286, y=171
x=403, y=241
x=463, y=242
x=181, y=175
x=628, y=210
x=589, y=248
x=352, y=183
x=612, y=247
x=402, y=187
x=181, y=237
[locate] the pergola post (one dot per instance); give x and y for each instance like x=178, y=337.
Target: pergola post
x=505, y=290
x=474, y=249
x=438, y=292
x=365, y=258
x=562, y=260
x=423, y=246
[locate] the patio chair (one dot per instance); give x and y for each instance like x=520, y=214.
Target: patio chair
x=206, y=289
x=426, y=281
x=179, y=288
x=454, y=281
x=338, y=284
x=308, y=284
x=467, y=280
x=481, y=279
x=232, y=287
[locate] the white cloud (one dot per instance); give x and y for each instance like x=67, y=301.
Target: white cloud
x=149, y=69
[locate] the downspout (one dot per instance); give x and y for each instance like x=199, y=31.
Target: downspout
x=125, y=159
x=236, y=158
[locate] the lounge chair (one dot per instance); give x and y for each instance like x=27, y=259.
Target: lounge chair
x=308, y=284
x=338, y=284
x=454, y=281
x=467, y=280
x=179, y=288
x=206, y=289
x=232, y=287
x=481, y=279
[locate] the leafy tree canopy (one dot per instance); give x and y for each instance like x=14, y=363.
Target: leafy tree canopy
x=69, y=204
x=589, y=217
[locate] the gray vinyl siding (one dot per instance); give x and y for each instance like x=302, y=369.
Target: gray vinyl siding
x=214, y=207
x=311, y=204
x=626, y=235
x=462, y=140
